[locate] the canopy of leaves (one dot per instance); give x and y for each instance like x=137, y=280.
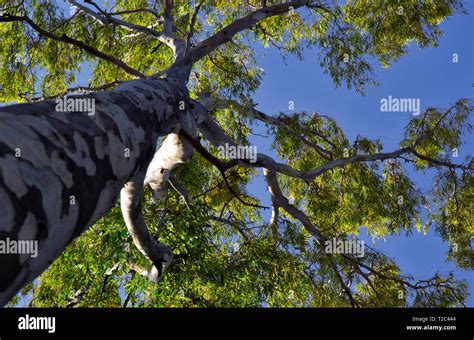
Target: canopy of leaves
x=225, y=253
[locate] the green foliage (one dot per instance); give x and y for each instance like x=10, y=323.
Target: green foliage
x=240, y=262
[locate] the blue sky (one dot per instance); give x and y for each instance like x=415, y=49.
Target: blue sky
x=428, y=74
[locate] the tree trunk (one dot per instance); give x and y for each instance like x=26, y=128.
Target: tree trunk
x=61, y=171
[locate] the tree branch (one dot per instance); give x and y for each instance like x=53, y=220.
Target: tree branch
x=106, y=18
x=282, y=201
x=76, y=89
x=156, y=252
x=192, y=27
x=180, y=189
x=66, y=39
x=170, y=39
x=442, y=163
x=250, y=110
x=225, y=35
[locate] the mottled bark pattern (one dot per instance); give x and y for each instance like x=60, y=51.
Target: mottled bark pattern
x=49, y=159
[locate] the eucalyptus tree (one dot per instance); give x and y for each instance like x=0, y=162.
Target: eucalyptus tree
x=171, y=83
